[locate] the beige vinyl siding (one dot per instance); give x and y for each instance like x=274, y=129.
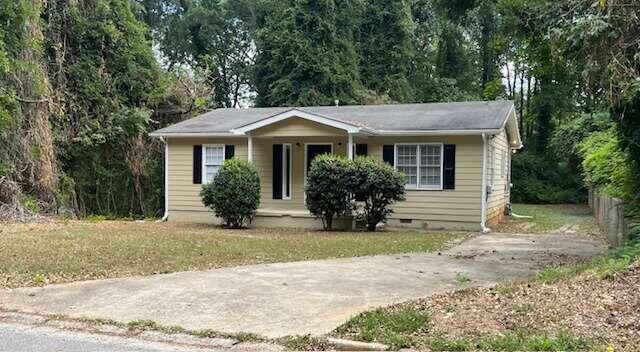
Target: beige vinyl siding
x=263, y=159
x=457, y=208
x=499, y=196
x=183, y=194
x=295, y=127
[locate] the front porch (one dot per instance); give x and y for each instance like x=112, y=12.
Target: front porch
x=282, y=152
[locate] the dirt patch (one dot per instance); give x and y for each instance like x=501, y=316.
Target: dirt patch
x=601, y=310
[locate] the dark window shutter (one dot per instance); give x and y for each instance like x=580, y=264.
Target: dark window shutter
x=197, y=164
x=361, y=150
x=449, y=165
x=388, y=154
x=277, y=171
x=229, y=151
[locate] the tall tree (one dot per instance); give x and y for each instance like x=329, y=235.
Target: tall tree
x=107, y=79
x=386, y=48
x=25, y=101
x=453, y=59
x=212, y=35
x=305, y=53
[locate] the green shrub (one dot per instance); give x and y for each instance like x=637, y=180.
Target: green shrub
x=605, y=165
x=31, y=203
x=234, y=194
x=328, y=193
x=378, y=186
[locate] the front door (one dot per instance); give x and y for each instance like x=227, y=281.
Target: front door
x=314, y=150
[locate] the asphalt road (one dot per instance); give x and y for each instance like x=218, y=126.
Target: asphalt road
x=23, y=338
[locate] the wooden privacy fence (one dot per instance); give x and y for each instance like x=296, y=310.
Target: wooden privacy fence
x=609, y=214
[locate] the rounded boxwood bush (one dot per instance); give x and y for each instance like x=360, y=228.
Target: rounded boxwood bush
x=234, y=194
x=377, y=185
x=328, y=193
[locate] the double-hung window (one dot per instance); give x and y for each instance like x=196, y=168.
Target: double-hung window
x=212, y=159
x=421, y=164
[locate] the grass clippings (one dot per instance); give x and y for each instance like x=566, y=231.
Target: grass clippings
x=33, y=254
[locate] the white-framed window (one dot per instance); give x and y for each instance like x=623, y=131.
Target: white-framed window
x=421, y=163
x=287, y=156
x=212, y=159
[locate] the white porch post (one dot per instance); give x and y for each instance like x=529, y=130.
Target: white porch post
x=250, y=149
x=350, y=147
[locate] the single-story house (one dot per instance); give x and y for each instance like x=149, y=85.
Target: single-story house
x=456, y=158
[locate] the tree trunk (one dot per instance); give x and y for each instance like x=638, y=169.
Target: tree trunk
x=33, y=88
x=328, y=222
x=522, y=90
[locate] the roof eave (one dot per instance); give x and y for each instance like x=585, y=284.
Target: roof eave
x=192, y=134
x=437, y=132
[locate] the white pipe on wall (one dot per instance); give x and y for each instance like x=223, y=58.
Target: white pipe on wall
x=483, y=213
x=165, y=217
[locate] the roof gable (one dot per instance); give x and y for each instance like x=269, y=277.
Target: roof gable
x=295, y=113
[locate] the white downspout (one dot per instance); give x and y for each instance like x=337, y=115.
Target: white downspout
x=165, y=217
x=483, y=216
x=350, y=147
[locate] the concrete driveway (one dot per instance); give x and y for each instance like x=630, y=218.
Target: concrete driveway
x=311, y=297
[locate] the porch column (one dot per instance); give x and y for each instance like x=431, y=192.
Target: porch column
x=350, y=147
x=250, y=148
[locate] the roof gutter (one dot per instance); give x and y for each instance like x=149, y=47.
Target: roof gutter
x=437, y=132
x=193, y=134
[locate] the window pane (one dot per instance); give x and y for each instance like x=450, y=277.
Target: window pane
x=410, y=175
x=407, y=155
x=210, y=172
x=430, y=165
x=430, y=176
x=213, y=158
x=408, y=163
x=214, y=155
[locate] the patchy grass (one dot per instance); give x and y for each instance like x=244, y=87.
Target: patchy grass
x=591, y=306
x=408, y=327
x=462, y=278
x=303, y=343
x=391, y=327
x=41, y=253
x=548, y=218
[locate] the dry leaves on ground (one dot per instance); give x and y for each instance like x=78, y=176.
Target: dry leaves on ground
x=606, y=310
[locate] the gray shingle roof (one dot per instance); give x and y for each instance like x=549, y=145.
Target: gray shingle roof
x=480, y=115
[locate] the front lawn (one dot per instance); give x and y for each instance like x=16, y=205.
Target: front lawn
x=51, y=252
